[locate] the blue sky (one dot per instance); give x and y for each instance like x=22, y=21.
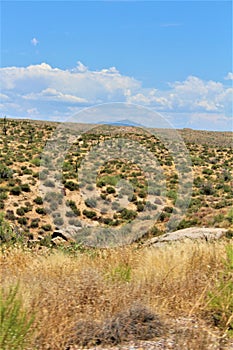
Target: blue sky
x=172, y=56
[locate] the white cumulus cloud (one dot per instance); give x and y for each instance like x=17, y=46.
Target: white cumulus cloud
x=49, y=91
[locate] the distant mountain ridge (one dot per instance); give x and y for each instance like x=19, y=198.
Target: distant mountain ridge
x=123, y=122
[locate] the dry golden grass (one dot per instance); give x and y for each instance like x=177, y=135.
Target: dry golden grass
x=62, y=290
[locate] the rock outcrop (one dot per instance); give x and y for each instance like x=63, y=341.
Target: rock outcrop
x=192, y=233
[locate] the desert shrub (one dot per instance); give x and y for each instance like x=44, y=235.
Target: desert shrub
x=25, y=188
x=140, y=206
x=20, y=211
x=73, y=206
x=22, y=221
x=168, y=209
x=72, y=186
x=10, y=215
x=154, y=231
x=229, y=216
x=53, y=197
x=172, y=194
x=89, y=214
x=107, y=180
x=90, y=187
x=3, y=195
x=110, y=190
x=207, y=171
x=128, y=214
x=41, y=211
x=107, y=221
x=220, y=204
x=16, y=190
x=36, y=161
x=75, y=222
x=46, y=227
x=58, y=221
x=142, y=194
x=43, y=175
x=151, y=206
x=207, y=189
x=27, y=171
x=53, y=205
x=16, y=321
x=49, y=183
x=226, y=188
x=70, y=214
x=226, y=175
x=218, y=218
x=229, y=234
x=5, y=172
x=38, y=200
x=35, y=223
x=91, y=202
x=185, y=223
x=13, y=182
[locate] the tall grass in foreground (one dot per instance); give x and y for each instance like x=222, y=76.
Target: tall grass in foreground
x=68, y=293
x=14, y=321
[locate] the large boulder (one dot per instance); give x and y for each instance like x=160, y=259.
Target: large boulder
x=192, y=233
x=66, y=234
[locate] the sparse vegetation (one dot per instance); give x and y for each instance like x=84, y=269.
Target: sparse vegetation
x=89, y=297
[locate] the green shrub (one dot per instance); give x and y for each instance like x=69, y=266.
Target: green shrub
x=207, y=189
x=73, y=206
x=16, y=322
x=5, y=172
x=41, y=211
x=25, y=188
x=22, y=221
x=20, y=211
x=110, y=190
x=16, y=190
x=127, y=214
x=140, y=206
x=36, y=161
x=108, y=180
x=38, y=200
x=229, y=216
x=34, y=223
x=89, y=214
x=72, y=186
x=46, y=227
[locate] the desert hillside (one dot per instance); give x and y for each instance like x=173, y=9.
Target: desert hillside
x=158, y=292
x=36, y=216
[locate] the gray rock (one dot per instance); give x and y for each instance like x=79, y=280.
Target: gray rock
x=192, y=233
x=66, y=233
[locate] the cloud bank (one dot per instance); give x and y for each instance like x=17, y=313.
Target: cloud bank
x=43, y=92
